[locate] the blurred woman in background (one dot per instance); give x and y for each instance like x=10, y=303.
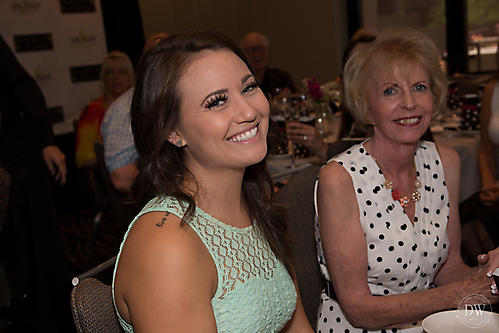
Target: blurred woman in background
x=116, y=76
x=479, y=213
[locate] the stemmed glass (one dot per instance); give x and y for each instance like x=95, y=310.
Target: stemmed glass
x=290, y=114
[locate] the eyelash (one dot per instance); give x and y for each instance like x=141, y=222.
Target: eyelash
x=419, y=86
x=389, y=91
x=215, y=101
x=251, y=85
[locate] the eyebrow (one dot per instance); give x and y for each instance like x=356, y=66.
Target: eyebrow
x=246, y=77
x=224, y=91
x=419, y=82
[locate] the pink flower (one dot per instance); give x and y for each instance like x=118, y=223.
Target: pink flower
x=314, y=89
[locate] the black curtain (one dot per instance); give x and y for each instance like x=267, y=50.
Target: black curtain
x=457, y=36
x=123, y=26
x=354, y=15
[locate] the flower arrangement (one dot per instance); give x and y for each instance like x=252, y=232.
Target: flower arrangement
x=316, y=93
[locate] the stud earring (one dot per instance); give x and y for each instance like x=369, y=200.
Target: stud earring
x=178, y=143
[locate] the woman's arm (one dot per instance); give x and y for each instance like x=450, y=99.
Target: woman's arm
x=454, y=269
x=299, y=321
x=486, y=158
x=165, y=278
x=345, y=249
x=313, y=142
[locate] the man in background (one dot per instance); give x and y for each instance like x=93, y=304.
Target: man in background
x=272, y=81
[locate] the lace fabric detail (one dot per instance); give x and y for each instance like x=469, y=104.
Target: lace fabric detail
x=242, y=253
x=255, y=292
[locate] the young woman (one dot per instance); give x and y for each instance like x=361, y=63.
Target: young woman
x=209, y=251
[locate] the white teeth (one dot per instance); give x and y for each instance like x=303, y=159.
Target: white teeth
x=408, y=120
x=245, y=136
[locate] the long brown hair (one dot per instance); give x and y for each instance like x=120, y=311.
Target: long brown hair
x=155, y=112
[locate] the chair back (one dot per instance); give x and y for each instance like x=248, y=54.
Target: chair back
x=340, y=146
x=93, y=308
x=298, y=198
x=123, y=211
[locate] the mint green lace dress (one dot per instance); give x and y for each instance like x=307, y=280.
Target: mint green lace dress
x=255, y=292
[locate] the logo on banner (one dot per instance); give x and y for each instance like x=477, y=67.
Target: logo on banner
x=85, y=73
x=40, y=76
x=30, y=43
x=25, y=6
x=82, y=39
x=77, y=6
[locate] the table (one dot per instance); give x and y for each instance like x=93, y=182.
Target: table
x=467, y=146
x=278, y=164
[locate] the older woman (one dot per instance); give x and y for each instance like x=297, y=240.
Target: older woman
x=388, y=225
x=209, y=251
x=116, y=76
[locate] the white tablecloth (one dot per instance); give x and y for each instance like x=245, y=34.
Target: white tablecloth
x=467, y=146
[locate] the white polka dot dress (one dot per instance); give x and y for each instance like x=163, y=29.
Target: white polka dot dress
x=401, y=258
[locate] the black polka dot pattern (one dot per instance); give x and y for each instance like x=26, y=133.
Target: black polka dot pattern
x=402, y=256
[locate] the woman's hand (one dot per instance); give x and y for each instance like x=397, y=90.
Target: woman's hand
x=478, y=281
x=307, y=136
x=491, y=262
x=490, y=196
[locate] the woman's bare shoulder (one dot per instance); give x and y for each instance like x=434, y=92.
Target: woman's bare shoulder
x=162, y=262
x=448, y=155
x=451, y=163
x=333, y=173
x=160, y=235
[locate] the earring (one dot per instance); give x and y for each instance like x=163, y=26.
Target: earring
x=178, y=143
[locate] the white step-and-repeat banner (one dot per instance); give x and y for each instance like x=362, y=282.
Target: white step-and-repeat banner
x=61, y=43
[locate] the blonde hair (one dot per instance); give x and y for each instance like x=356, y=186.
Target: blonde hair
x=116, y=55
x=402, y=48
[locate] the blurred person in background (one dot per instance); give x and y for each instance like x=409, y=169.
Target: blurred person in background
x=272, y=81
x=30, y=245
x=119, y=149
x=307, y=135
x=480, y=212
x=116, y=76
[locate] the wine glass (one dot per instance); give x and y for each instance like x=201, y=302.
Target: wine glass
x=291, y=114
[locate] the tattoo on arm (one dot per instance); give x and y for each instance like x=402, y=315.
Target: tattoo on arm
x=160, y=224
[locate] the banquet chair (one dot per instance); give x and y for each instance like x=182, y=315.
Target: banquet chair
x=340, y=146
x=297, y=196
x=92, y=303
x=123, y=211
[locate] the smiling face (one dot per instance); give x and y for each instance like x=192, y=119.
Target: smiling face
x=401, y=105
x=116, y=77
x=224, y=116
